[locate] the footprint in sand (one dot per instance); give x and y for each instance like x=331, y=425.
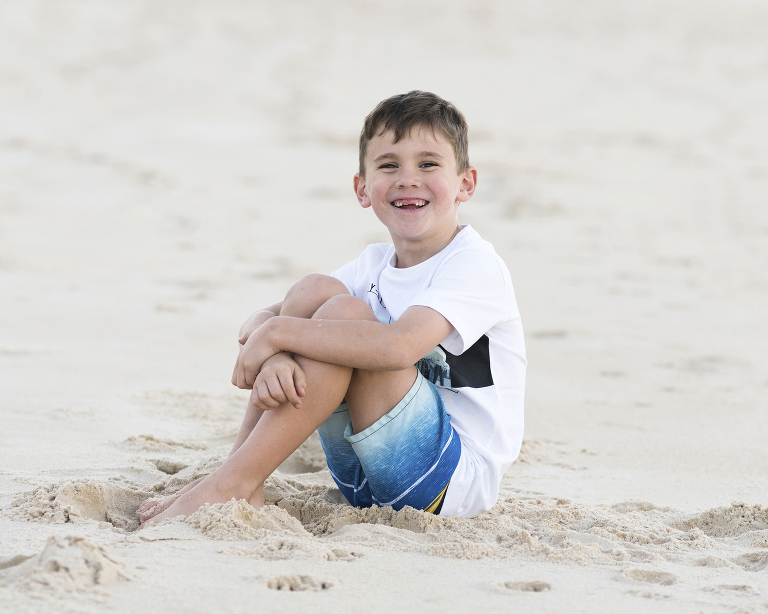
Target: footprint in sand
x=297, y=583
x=742, y=589
x=536, y=586
x=753, y=561
x=651, y=576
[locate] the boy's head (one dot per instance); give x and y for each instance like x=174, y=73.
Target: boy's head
x=400, y=114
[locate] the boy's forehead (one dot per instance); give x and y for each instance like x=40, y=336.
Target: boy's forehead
x=421, y=134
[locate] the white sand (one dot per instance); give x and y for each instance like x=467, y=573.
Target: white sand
x=166, y=167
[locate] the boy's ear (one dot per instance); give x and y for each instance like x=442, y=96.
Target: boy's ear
x=361, y=192
x=468, y=184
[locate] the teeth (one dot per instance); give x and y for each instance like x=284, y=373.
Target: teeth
x=419, y=203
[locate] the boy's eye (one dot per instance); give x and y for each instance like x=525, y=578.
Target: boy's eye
x=388, y=165
x=428, y=164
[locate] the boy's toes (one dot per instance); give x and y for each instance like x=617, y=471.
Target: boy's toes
x=148, y=504
x=145, y=512
x=157, y=507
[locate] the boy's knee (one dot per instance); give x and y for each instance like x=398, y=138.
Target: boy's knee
x=309, y=293
x=318, y=285
x=344, y=307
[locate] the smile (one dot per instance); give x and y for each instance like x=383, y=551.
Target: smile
x=409, y=203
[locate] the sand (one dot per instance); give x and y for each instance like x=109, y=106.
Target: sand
x=166, y=168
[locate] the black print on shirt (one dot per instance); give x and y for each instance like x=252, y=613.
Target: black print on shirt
x=372, y=289
x=472, y=369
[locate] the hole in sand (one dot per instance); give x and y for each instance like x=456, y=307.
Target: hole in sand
x=114, y=502
x=171, y=466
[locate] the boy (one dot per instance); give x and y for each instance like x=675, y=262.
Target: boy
x=409, y=361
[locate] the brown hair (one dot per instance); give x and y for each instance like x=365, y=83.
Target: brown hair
x=403, y=112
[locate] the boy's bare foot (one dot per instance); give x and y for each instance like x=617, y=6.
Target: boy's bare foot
x=152, y=507
x=210, y=490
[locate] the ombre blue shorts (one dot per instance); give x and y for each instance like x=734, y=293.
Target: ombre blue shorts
x=406, y=457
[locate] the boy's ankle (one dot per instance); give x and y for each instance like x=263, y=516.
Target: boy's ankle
x=257, y=497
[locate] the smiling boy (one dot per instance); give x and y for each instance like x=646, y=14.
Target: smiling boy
x=409, y=361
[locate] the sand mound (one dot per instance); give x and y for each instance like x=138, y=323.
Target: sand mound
x=195, y=470
x=237, y=520
x=555, y=529
x=114, y=502
x=731, y=521
x=68, y=564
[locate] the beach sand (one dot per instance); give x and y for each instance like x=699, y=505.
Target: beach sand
x=166, y=168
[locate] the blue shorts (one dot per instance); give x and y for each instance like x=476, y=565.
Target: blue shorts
x=406, y=457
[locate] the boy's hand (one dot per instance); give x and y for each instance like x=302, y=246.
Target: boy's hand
x=254, y=352
x=280, y=380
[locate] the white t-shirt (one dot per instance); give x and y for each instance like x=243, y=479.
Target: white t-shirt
x=479, y=368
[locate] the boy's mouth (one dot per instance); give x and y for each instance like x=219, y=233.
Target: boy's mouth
x=409, y=203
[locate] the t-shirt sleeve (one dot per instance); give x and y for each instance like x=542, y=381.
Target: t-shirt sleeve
x=472, y=292
x=346, y=275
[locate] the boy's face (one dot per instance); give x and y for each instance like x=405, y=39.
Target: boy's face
x=414, y=188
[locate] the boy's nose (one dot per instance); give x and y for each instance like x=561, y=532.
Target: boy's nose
x=408, y=178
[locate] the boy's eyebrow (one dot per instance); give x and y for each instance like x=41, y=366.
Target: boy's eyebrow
x=422, y=154
x=430, y=154
x=385, y=156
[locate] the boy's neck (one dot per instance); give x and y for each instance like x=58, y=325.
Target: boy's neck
x=411, y=253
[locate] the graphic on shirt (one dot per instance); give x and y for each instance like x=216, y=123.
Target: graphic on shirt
x=435, y=368
x=372, y=289
x=472, y=369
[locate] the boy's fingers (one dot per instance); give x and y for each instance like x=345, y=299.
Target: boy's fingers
x=254, y=398
x=239, y=376
x=286, y=381
x=264, y=396
x=299, y=381
x=276, y=390
x=236, y=381
x=256, y=401
x=249, y=375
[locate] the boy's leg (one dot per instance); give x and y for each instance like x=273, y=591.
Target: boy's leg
x=280, y=431
x=304, y=298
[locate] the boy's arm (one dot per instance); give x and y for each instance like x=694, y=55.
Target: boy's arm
x=256, y=319
x=353, y=343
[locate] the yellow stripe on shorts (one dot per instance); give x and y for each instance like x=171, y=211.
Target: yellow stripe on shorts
x=436, y=502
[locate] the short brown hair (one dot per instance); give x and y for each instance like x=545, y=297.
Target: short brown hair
x=403, y=112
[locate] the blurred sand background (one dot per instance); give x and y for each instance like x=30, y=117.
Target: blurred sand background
x=167, y=167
